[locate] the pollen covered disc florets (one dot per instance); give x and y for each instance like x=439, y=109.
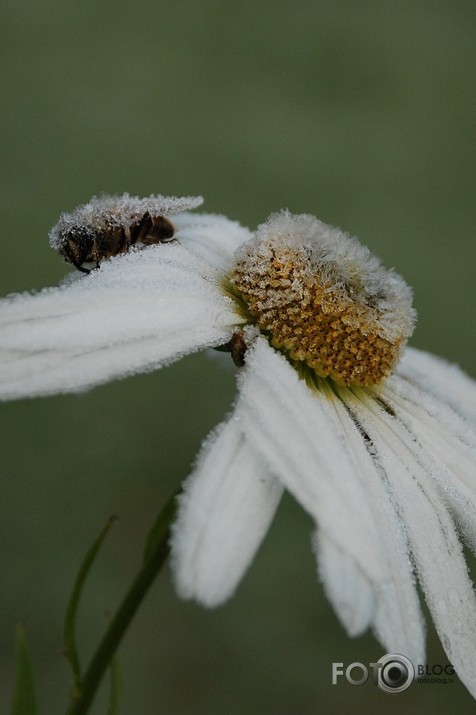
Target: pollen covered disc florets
x=323, y=298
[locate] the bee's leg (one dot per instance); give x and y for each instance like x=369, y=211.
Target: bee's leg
x=237, y=347
x=81, y=268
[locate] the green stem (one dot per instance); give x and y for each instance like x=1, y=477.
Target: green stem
x=86, y=689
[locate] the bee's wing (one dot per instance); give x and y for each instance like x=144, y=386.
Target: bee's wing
x=136, y=313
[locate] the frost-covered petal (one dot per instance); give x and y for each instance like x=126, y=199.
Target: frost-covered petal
x=345, y=584
x=398, y=621
x=135, y=313
x=225, y=511
x=434, y=543
x=445, y=381
x=214, y=238
x=449, y=447
x=290, y=426
x=311, y=442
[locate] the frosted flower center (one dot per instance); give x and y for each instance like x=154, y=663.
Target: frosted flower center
x=323, y=299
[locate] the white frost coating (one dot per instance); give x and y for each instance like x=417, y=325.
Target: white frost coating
x=136, y=313
x=434, y=543
x=448, y=448
x=346, y=586
x=312, y=444
x=288, y=426
x=447, y=382
x=334, y=257
x=225, y=511
x=398, y=621
x=112, y=211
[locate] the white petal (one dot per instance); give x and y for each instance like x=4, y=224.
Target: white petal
x=447, y=440
x=447, y=382
x=294, y=430
x=225, y=511
x=435, y=546
x=346, y=586
x=136, y=312
x=212, y=237
x=398, y=621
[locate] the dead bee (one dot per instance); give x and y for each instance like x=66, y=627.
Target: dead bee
x=87, y=244
x=110, y=225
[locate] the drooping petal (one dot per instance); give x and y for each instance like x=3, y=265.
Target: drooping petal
x=447, y=382
x=346, y=586
x=311, y=443
x=448, y=440
x=398, y=621
x=135, y=313
x=291, y=427
x=434, y=543
x=225, y=511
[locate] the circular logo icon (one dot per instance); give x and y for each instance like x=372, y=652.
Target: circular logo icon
x=396, y=673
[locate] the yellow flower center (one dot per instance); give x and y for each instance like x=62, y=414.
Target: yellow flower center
x=323, y=299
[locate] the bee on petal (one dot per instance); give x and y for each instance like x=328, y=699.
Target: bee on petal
x=109, y=225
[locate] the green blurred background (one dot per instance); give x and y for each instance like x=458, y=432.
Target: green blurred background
x=360, y=112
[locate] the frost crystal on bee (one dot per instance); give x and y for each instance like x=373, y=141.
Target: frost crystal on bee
x=109, y=225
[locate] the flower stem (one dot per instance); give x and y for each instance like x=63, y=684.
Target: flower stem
x=85, y=690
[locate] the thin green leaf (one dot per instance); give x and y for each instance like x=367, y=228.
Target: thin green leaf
x=24, y=698
x=116, y=687
x=70, y=647
x=156, y=554
x=161, y=526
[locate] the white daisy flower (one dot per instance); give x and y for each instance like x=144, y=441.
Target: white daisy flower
x=376, y=441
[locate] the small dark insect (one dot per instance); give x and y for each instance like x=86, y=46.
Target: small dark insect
x=110, y=225
x=84, y=244
x=237, y=347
